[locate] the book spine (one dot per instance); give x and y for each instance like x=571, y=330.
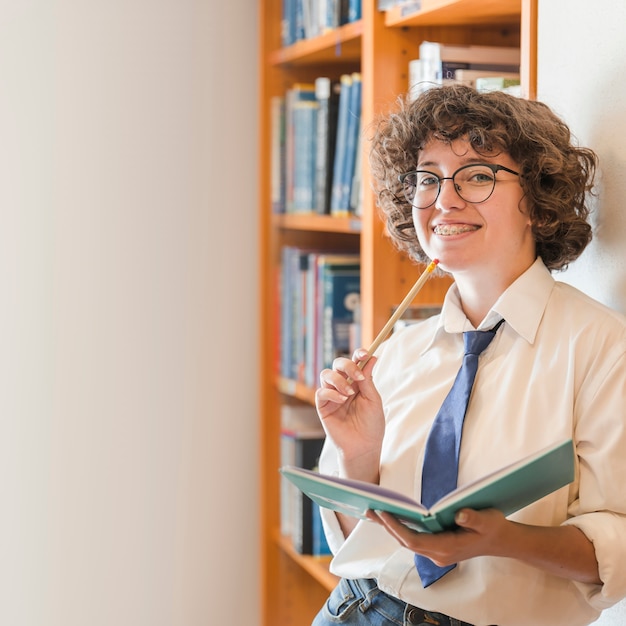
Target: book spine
x=354, y=10
x=277, y=157
x=312, y=325
x=341, y=292
x=340, y=149
x=300, y=32
x=299, y=92
x=288, y=23
x=354, y=117
x=320, y=545
x=297, y=422
x=322, y=93
x=307, y=453
x=304, y=133
x=286, y=317
x=356, y=192
x=327, y=95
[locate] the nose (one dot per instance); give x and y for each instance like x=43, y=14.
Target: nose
x=449, y=197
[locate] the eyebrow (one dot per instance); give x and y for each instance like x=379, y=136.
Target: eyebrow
x=464, y=161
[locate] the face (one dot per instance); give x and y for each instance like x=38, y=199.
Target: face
x=491, y=236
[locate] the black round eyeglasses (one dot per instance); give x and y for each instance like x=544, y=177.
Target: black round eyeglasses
x=473, y=183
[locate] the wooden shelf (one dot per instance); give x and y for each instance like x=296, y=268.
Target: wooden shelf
x=319, y=223
x=339, y=45
x=296, y=390
x=316, y=566
x=456, y=12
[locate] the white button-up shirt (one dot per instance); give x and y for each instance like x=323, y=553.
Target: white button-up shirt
x=556, y=369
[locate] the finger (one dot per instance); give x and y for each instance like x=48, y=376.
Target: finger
x=396, y=529
x=478, y=521
x=332, y=379
x=349, y=368
x=328, y=396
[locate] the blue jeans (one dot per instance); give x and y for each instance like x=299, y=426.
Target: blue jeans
x=362, y=603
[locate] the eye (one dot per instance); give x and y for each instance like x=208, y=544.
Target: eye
x=477, y=176
x=426, y=180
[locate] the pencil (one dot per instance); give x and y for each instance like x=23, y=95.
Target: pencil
x=402, y=307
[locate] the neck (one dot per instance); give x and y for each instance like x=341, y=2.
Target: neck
x=480, y=292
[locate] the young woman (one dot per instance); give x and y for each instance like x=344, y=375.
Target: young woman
x=495, y=189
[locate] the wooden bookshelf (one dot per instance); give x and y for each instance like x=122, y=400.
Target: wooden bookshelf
x=379, y=46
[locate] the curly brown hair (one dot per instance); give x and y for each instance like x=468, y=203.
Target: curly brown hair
x=555, y=174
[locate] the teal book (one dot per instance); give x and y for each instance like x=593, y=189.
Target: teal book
x=509, y=489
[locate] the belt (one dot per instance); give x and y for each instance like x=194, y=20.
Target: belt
x=413, y=615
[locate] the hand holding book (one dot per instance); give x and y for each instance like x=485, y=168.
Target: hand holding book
x=509, y=489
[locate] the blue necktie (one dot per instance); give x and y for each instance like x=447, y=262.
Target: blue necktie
x=441, y=458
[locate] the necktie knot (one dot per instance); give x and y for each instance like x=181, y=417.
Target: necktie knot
x=476, y=341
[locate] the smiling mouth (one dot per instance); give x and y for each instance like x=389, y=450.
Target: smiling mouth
x=454, y=229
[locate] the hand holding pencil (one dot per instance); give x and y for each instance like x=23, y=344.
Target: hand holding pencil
x=354, y=420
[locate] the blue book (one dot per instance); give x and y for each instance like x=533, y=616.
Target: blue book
x=327, y=94
x=288, y=23
x=304, y=142
x=298, y=92
x=300, y=32
x=277, y=129
x=287, y=316
x=340, y=290
x=352, y=136
x=354, y=10
x=320, y=545
x=340, y=147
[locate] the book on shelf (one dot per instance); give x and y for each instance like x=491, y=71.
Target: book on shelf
x=499, y=83
x=327, y=95
x=508, y=489
x=345, y=82
x=319, y=297
x=319, y=542
x=439, y=63
x=294, y=265
x=339, y=290
x=470, y=77
x=304, y=19
x=355, y=10
x=356, y=191
x=302, y=438
x=348, y=126
x=297, y=93
x=277, y=155
x=352, y=137
x=304, y=153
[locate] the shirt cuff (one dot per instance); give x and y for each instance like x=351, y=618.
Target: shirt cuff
x=607, y=533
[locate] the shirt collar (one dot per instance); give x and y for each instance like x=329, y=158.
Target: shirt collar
x=522, y=305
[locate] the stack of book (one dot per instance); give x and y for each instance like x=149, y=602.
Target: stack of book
x=484, y=67
x=303, y=19
x=320, y=306
x=316, y=147
x=302, y=438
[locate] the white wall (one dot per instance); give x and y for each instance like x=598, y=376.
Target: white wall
x=582, y=59
x=128, y=339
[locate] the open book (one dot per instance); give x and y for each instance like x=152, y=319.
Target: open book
x=508, y=489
